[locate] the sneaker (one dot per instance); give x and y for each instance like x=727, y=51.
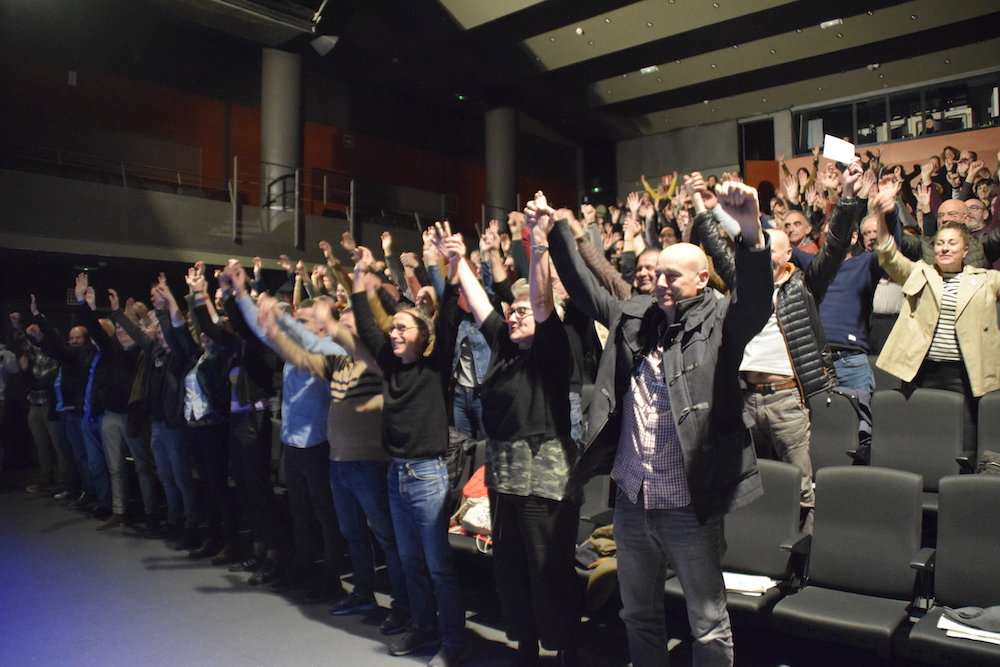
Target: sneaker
x=65, y=495
x=84, y=502
x=413, y=640
x=265, y=574
x=353, y=604
x=447, y=656
x=395, y=622
x=251, y=564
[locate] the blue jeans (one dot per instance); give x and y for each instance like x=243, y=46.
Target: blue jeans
x=96, y=460
x=418, y=498
x=468, y=409
x=175, y=475
x=78, y=449
x=362, y=501
x=855, y=372
x=648, y=542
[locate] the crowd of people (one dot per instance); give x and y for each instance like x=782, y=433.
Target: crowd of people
x=690, y=311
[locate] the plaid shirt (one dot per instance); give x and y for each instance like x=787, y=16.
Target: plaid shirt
x=649, y=456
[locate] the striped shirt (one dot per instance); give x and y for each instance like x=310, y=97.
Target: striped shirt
x=944, y=345
x=649, y=456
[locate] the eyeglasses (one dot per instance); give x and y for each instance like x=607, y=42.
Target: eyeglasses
x=520, y=312
x=402, y=328
x=975, y=208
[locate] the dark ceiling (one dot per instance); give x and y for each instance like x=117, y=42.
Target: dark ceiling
x=575, y=65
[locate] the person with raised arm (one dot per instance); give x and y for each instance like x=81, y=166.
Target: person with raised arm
x=667, y=412
x=415, y=358
x=529, y=453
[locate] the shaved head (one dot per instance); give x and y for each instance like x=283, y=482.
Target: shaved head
x=681, y=273
x=781, y=252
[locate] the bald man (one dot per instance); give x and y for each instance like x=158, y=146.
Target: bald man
x=984, y=247
x=666, y=409
x=789, y=360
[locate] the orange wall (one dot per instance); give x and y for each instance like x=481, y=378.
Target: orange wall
x=115, y=102
x=985, y=142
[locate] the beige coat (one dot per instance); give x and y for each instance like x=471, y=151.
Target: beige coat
x=975, y=322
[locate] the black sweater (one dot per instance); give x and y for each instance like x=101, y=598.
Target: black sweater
x=415, y=416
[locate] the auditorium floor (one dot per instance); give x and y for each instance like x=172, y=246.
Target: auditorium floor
x=74, y=596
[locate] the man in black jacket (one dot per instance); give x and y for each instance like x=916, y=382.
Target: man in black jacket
x=667, y=410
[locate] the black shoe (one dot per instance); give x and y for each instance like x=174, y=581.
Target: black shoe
x=85, y=502
x=265, y=574
x=413, y=640
x=249, y=565
x=353, y=604
x=395, y=622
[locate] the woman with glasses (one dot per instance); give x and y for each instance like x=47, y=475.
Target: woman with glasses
x=415, y=358
x=529, y=456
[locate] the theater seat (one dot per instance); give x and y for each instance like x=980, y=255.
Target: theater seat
x=755, y=534
x=965, y=568
x=860, y=581
x=923, y=434
x=834, y=424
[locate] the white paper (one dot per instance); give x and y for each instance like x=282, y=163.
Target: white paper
x=748, y=583
x=837, y=150
x=962, y=631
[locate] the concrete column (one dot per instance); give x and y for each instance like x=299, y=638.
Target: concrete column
x=501, y=165
x=280, y=134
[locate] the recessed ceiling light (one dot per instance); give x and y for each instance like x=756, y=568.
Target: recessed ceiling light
x=552, y=39
x=881, y=76
x=650, y=69
x=840, y=34
x=819, y=87
x=607, y=20
x=705, y=102
x=947, y=61
x=678, y=62
x=713, y=67
x=624, y=76
x=609, y=92
x=715, y=4
x=649, y=24
x=913, y=17
x=660, y=79
x=773, y=51
x=798, y=30
x=736, y=46
x=871, y=13
x=763, y=99
x=579, y=31
x=591, y=42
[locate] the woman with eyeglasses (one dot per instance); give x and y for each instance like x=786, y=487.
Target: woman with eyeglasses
x=529, y=456
x=415, y=358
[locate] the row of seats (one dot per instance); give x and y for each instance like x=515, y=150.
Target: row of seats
x=921, y=432
x=862, y=578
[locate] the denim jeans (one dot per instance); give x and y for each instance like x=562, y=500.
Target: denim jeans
x=362, y=501
x=468, y=409
x=648, y=542
x=114, y=433
x=175, y=475
x=855, y=372
x=78, y=450
x=418, y=498
x=96, y=460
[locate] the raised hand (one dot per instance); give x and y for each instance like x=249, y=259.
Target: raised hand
x=632, y=202
x=852, y=175
x=791, y=185
x=740, y=201
x=386, y=243
x=195, y=281
x=868, y=181
x=268, y=311
x=409, y=260
x=923, y=194
x=975, y=167
x=80, y=288
x=91, y=298
x=33, y=306
x=285, y=262
x=885, y=201
x=615, y=213
x=113, y=299
x=631, y=229
x=258, y=265
x=34, y=333
x=15, y=320
x=363, y=259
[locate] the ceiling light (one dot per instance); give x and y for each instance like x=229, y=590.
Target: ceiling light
x=713, y=66
x=773, y=51
x=715, y=4
x=624, y=76
x=552, y=39
x=831, y=23
x=736, y=46
x=649, y=24
x=579, y=31
x=840, y=34
x=947, y=61
x=324, y=44
x=660, y=79
x=607, y=20
x=591, y=42
x=705, y=102
x=913, y=17
x=650, y=69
